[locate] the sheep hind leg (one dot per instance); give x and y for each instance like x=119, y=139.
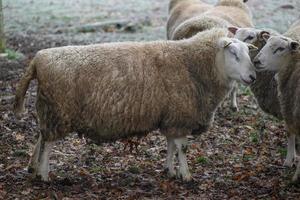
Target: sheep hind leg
x=183, y=171
x=291, y=151
x=33, y=162
x=170, y=157
x=39, y=162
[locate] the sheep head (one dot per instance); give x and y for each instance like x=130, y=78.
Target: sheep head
x=276, y=53
x=234, y=57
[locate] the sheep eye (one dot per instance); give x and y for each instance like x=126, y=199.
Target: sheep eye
x=279, y=49
x=236, y=57
x=233, y=52
x=250, y=37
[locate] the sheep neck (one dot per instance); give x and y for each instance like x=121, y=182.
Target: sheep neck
x=285, y=72
x=209, y=79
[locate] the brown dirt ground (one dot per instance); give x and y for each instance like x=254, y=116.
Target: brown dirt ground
x=240, y=157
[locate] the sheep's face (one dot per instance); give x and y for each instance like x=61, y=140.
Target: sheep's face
x=276, y=53
x=250, y=35
x=234, y=57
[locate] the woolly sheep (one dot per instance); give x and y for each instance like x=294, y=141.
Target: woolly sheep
x=182, y=10
x=265, y=86
x=188, y=17
x=203, y=16
x=118, y=90
x=281, y=54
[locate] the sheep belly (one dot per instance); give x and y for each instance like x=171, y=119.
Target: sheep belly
x=100, y=114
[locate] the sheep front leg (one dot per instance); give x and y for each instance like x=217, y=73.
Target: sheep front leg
x=291, y=150
x=181, y=145
x=39, y=162
x=170, y=157
x=44, y=161
x=296, y=175
x=233, y=92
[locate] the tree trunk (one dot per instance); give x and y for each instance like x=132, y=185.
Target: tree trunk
x=2, y=37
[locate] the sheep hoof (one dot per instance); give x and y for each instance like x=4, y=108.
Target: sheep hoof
x=288, y=163
x=235, y=109
x=30, y=170
x=186, y=177
x=40, y=177
x=171, y=173
x=297, y=158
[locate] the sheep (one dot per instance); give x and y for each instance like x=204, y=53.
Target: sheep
x=182, y=10
x=188, y=17
x=118, y=90
x=265, y=86
x=282, y=55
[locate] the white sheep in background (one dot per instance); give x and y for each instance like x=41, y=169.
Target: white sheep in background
x=189, y=17
x=282, y=54
x=182, y=10
x=118, y=90
x=265, y=86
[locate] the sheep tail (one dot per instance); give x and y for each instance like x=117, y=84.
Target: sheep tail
x=22, y=87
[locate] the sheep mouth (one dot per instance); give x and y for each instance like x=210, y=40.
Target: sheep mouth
x=247, y=82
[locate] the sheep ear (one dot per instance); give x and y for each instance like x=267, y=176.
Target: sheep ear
x=260, y=35
x=294, y=46
x=232, y=29
x=252, y=47
x=224, y=43
x=245, y=1
x=264, y=36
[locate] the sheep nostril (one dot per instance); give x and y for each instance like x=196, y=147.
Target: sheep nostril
x=253, y=78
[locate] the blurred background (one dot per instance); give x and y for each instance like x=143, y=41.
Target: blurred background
x=47, y=23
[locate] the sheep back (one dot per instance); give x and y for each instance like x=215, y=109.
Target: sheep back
x=198, y=24
x=234, y=12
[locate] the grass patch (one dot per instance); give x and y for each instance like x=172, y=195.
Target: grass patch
x=12, y=55
x=245, y=90
x=202, y=160
x=247, y=158
x=282, y=151
x=134, y=169
x=96, y=169
x=20, y=153
x=254, y=137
